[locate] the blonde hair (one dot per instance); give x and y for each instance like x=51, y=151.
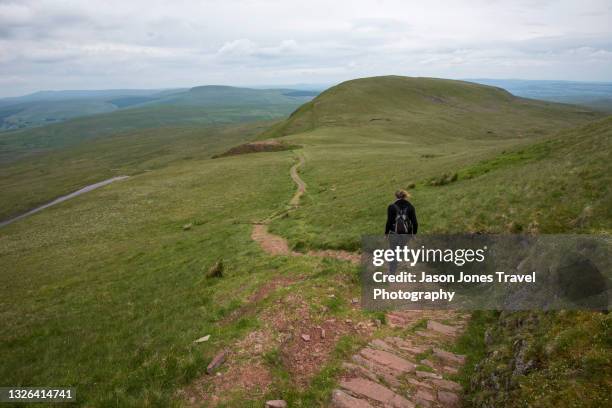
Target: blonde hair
x=399, y=194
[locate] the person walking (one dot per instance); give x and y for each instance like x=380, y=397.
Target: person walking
x=401, y=223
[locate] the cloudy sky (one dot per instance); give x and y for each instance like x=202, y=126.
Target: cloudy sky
x=55, y=44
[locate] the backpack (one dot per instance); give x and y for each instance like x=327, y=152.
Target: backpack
x=403, y=225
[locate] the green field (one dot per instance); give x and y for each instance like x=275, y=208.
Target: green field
x=33, y=181
x=199, y=106
x=40, y=164
x=108, y=291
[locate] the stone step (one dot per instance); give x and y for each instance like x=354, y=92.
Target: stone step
x=424, y=398
x=442, y=328
x=381, y=345
x=405, y=351
x=388, y=360
x=406, y=346
x=450, y=370
x=428, y=334
x=379, y=373
x=448, y=399
x=360, y=370
x=341, y=399
x=376, y=392
x=388, y=375
x=419, y=384
x=427, y=374
x=448, y=357
x=446, y=384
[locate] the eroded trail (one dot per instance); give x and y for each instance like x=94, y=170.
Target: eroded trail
x=405, y=369
x=270, y=243
x=277, y=245
x=301, y=186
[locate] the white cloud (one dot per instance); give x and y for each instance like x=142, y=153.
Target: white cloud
x=153, y=43
x=242, y=47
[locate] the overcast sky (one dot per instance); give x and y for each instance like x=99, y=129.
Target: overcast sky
x=46, y=44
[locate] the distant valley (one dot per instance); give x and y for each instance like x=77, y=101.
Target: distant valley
x=49, y=107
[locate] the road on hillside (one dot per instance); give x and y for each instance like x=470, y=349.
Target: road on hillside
x=62, y=199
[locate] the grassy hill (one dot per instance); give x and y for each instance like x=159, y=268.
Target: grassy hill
x=408, y=106
x=44, y=108
x=47, y=107
x=198, y=106
x=108, y=291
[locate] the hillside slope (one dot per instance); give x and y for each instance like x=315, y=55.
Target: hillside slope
x=205, y=105
x=511, y=180
x=404, y=105
x=114, y=283
x=40, y=164
x=36, y=180
x=48, y=107
x=552, y=185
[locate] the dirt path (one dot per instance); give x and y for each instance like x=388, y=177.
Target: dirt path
x=270, y=243
x=404, y=370
x=277, y=245
x=301, y=186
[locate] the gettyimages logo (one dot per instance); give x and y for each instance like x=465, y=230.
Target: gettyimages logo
x=479, y=272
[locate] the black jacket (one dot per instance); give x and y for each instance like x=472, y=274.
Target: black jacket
x=392, y=213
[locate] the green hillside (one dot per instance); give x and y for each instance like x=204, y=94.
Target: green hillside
x=40, y=164
x=556, y=184
x=36, y=180
x=407, y=106
x=44, y=108
x=219, y=95
x=206, y=105
x=47, y=107
x=108, y=291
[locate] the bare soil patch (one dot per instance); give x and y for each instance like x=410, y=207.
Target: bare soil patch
x=303, y=359
x=257, y=147
x=252, y=377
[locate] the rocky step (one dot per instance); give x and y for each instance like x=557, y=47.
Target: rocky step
x=442, y=328
x=449, y=399
x=360, y=392
x=399, y=348
x=427, y=375
x=361, y=387
x=449, y=358
x=425, y=398
x=381, y=372
x=389, y=360
x=341, y=399
x=446, y=385
x=407, y=346
x=374, y=371
x=431, y=335
x=360, y=370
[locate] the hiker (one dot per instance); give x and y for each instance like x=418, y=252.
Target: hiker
x=401, y=223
